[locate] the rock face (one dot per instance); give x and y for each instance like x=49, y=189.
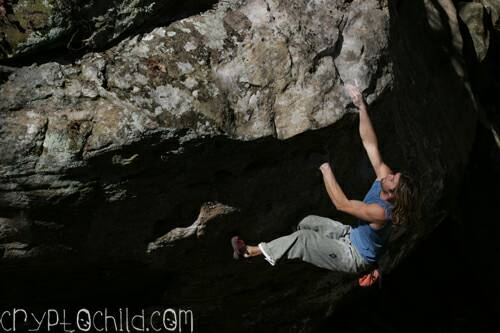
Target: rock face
x=481, y=30
x=102, y=157
x=481, y=19
x=28, y=27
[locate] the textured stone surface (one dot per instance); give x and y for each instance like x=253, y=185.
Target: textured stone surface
x=29, y=26
x=493, y=9
x=102, y=157
x=473, y=14
x=482, y=20
x=195, y=75
x=482, y=51
x=208, y=212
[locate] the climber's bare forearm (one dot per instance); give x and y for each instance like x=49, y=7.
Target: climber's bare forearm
x=367, y=133
x=366, y=130
x=366, y=212
x=334, y=190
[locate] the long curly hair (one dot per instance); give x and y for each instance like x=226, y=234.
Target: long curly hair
x=406, y=201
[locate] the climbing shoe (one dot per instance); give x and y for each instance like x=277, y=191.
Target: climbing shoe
x=239, y=247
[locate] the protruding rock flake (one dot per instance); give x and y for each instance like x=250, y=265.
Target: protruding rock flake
x=209, y=211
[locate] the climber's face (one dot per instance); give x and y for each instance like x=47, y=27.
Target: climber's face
x=389, y=183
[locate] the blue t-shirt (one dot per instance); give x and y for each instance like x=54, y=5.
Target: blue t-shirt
x=369, y=242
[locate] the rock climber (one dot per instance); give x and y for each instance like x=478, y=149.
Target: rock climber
x=391, y=200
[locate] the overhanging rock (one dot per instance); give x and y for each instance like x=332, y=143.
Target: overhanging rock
x=102, y=157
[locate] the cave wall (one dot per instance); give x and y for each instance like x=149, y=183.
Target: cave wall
x=37, y=30
x=93, y=171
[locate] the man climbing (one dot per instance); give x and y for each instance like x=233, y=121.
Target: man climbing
x=392, y=199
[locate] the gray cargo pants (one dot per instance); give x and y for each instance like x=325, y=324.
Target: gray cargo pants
x=320, y=241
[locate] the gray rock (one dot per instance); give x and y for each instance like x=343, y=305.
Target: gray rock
x=194, y=75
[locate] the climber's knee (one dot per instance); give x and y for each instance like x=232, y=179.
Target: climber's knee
x=306, y=222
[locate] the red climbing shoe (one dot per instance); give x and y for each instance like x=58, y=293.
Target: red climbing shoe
x=239, y=247
x=371, y=278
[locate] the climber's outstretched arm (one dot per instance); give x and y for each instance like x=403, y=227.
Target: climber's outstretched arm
x=367, y=133
x=359, y=209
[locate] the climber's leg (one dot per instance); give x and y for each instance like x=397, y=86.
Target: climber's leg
x=325, y=226
x=314, y=248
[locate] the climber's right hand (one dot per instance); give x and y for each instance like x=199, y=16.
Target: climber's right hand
x=355, y=95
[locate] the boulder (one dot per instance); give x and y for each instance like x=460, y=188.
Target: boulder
x=106, y=162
